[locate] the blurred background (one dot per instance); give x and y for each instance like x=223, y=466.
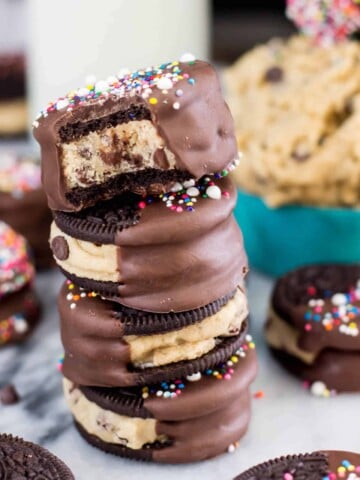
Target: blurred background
x=47, y=48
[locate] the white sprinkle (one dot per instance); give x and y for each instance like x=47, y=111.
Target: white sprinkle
x=72, y=306
x=82, y=92
x=69, y=296
x=21, y=325
x=176, y=105
x=231, y=448
x=195, y=377
x=189, y=183
x=338, y=299
x=187, y=57
x=159, y=393
x=179, y=92
x=111, y=80
x=35, y=124
x=62, y=104
x=318, y=389
x=193, y=192
x=164, y=83
x=176, y=187
x=123, y=72
x=101, y=86
x=213, y=192
x=82, y=294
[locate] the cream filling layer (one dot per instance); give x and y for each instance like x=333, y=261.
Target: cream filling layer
x=190, y=342
x=124, y=148
x=108, y=426
x=282, y=336
x=13, y=116
x=86, y=260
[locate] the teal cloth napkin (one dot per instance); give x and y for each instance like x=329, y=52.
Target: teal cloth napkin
x=280, y=239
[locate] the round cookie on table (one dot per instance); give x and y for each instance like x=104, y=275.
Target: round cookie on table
x=321, y=465
x=21, y=460
x=23, y=204
x=191, y=418
x=301, y=160
x=19, y=306
x=313, y=326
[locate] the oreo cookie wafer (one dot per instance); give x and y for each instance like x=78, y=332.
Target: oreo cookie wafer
x=22, y=460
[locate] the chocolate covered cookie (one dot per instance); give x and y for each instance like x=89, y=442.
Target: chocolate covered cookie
x=313, y=326
x=19, y=306
x=139, y=131
x=174, y=252
x=190, y=419
x=13, y=109
x=107, y=344
x=23, y=204
x=22, y=460
x=323, y=465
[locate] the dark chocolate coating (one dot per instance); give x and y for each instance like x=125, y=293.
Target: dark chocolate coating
x=206, y=410
x=25, y=460
x=200, y=133
x=24, y=303
x=167, y=261
x=30, y=216
x=309, y=466
x=336, y=353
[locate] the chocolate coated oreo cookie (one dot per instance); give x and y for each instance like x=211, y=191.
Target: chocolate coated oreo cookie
x=171, y=422
x=313, y=326
x=25, y=460
x=311, y=466
x=83, y=368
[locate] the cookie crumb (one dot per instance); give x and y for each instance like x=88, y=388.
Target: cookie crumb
x=9, y=395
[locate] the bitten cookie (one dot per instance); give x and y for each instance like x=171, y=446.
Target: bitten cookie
x=313, y=326
x=13, y=109
x=107, y=344
x=296, y=107
x=23, y=204
x=187, y=420
x=19, y=306
x=138, y=131
x=323, y=465
x=173, y=252
x=26, y=460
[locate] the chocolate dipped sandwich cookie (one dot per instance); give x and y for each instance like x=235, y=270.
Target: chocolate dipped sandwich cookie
x=13, y=109
x=175, y=252
x=19, y=305
x=139, y=131
x=23, y=204
x=313, y=326
x=21, y=460
x=190, y=419
x=107, y=344
x=322, y=465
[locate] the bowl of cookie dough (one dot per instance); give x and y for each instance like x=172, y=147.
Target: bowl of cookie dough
x=297, y=113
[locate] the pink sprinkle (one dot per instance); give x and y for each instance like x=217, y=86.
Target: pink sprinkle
x=141, y=204
x=179, y=209
x=226, y=194
x=308, y=327
x=288, y=476
x=227, y=376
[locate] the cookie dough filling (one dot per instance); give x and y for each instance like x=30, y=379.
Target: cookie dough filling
x=98, y=156
x=282, y=336
x=109, y=426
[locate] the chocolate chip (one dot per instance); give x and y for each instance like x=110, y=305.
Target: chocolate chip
x=300, y=156
x=274, y=75
x=60, y=247
x=9, y=395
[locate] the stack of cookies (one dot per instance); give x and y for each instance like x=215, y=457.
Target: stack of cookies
x=158, y=361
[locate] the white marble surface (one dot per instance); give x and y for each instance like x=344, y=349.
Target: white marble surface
x=287, y=420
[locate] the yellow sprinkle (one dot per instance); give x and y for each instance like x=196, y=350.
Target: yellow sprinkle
x=71, y=286
x=153, y=101
x=252, y=345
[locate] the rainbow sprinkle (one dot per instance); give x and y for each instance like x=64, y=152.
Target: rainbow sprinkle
x=327, y=21
x=223, y=371
x=345, y=470
x=15, y=267
x=339, y=311
x=18, y=175
x=141, y=82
